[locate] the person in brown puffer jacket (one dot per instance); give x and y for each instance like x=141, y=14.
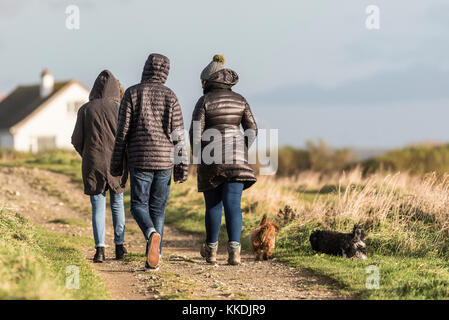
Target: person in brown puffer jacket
x=93, y=138
x=222, y=179
x=151, y=130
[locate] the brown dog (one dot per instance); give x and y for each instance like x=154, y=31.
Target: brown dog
x=263, y=239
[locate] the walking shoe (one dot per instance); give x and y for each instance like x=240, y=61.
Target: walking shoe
x=152, y=250
x=209, y=251
x=120, y=251
x=99, y=255
x=148, y=268
x=234, y=253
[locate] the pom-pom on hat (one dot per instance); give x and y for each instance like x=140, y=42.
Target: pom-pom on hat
x=215, y=65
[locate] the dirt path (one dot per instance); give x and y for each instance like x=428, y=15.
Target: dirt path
x=51, y=200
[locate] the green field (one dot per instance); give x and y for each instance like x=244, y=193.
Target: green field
x=35, y=263
x=405, y=217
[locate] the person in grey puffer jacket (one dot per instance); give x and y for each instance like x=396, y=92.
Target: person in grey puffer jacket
x=150, y=131
x=221, y=110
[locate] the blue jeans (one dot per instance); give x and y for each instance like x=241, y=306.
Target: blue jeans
x=229, y=196
x=99, y=216
x=149, y=195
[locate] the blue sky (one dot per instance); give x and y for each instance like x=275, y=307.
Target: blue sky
x=310, y=69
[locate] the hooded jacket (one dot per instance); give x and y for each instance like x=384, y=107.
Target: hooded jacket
x=150, y=124
x=94, y=133
x=221, y=110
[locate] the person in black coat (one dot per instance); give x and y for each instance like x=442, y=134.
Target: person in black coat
x=151, y=131
x=93, y=138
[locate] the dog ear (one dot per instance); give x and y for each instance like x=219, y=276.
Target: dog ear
x=264, y=219
x=357, y=232
x=276, y=226
x=362, y=235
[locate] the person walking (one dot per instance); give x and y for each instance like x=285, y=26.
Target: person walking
x=93, y=138
x=221, y=110
x=151, y=129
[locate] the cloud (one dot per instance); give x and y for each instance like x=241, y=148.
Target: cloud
x=416, y=83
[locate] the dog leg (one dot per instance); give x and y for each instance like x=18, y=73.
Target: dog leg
x=270, y=253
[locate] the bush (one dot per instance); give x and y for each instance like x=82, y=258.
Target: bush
x=316, y=157
x=416, y=160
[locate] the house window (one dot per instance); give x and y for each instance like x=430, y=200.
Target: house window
x=73, y=107
x=47, y=142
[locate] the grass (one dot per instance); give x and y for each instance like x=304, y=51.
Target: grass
x=58, y=161
x=415, y=159
x=34, y=261
x=66, y=162
x=405, y=217
x=401, y=276
x=69, y=221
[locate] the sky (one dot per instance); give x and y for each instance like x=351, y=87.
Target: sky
x=308, y=68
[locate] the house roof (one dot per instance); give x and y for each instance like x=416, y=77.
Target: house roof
x=23, y=101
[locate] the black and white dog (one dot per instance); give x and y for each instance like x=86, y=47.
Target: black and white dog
x=340, y=244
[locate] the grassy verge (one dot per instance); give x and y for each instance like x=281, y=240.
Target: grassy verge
x=405, y=272
x=69, y=221
x=58, y=161
x=34, y=261
x=405, y=218
x=400, y=276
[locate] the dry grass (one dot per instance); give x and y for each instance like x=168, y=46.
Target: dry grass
x=404, y=216
x=409, y=209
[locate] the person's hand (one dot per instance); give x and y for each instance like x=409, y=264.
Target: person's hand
x=178, y=182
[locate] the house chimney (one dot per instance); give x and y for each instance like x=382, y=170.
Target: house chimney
x=47, y=83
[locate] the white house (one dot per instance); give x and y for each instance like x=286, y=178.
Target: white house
x=41, y=116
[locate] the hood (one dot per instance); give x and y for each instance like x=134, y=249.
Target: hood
x=156, y=68
x=225, y=77
x=105, y=86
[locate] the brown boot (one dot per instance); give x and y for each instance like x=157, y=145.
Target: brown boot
x=234, y=253
x=209, y=251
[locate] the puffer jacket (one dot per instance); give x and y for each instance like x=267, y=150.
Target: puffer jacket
x=150, y=124
x=222, y=110
x=94, y=133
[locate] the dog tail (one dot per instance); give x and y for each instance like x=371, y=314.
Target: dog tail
x=264, y=219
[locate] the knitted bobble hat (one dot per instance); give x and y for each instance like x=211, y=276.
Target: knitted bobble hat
x=215, y=65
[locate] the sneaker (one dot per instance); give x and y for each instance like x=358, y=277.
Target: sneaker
x=209, y=251
x=99, y=255
x=148, y=268
x=152, y=250
x=120, y=251
x=234, y=253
